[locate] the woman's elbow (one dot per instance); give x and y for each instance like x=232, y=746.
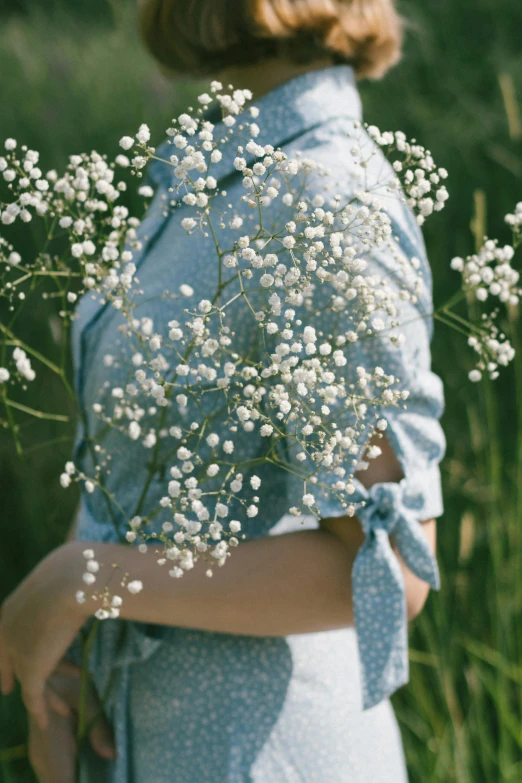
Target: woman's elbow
x=416, y=598
x=417, y=590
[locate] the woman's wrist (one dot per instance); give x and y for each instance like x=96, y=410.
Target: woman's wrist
x=69, y=565
x=92, y=576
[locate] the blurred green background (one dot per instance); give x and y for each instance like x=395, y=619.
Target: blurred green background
x=74, y=78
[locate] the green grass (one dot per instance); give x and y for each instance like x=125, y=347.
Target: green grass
x=74, y=79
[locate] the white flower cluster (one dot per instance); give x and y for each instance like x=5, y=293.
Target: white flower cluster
x=299, y=390
x=489, y=273
x=31, y=181
x=515, y=221
x=493, y=347
x=110, y=603
x=22, y=367
x=81, y=203
x=420, y=177
x=298, y=257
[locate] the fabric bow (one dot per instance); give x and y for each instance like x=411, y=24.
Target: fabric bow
x=379, y=597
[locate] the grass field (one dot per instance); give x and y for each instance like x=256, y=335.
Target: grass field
x=75, y=79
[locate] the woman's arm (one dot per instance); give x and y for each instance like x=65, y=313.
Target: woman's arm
x=278, y=585
x=286, y=584
x=294, y=583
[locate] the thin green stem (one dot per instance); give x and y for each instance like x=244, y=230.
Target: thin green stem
x=82, y=727
x=35, y=413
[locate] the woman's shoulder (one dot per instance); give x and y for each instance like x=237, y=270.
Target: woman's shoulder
x=345, y=162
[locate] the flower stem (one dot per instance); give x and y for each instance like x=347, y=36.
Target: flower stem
x=84, y=682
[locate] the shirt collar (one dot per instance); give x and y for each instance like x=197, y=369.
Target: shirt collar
x=285, y=113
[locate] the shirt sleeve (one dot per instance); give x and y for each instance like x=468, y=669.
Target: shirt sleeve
x=415, y=434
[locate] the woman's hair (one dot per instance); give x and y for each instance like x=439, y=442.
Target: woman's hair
x=202, y=37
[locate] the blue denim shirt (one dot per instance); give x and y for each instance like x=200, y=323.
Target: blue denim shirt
x=313, y=113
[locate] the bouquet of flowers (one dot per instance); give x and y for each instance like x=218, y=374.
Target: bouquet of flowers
x=296, y=283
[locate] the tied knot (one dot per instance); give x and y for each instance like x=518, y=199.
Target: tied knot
x=383, y=509
x=378, y=585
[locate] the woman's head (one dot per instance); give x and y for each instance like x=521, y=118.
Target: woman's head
x=206, y=36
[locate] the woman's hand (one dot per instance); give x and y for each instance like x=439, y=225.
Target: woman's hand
x=52, y=751
x=38, y=622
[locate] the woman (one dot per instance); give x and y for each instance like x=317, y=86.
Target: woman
x=253, y=675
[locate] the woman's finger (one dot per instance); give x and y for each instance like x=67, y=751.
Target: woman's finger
x=52, y=753
x=56, y=703
x=65, y=683
x=68, y=668
x=34, y=700
x=102, y=739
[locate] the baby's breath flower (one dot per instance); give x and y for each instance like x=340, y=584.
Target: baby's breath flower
x=178, y=393
x=126, y=142
x=135, y=587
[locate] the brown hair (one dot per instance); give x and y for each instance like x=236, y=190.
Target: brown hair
x=204, y=36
